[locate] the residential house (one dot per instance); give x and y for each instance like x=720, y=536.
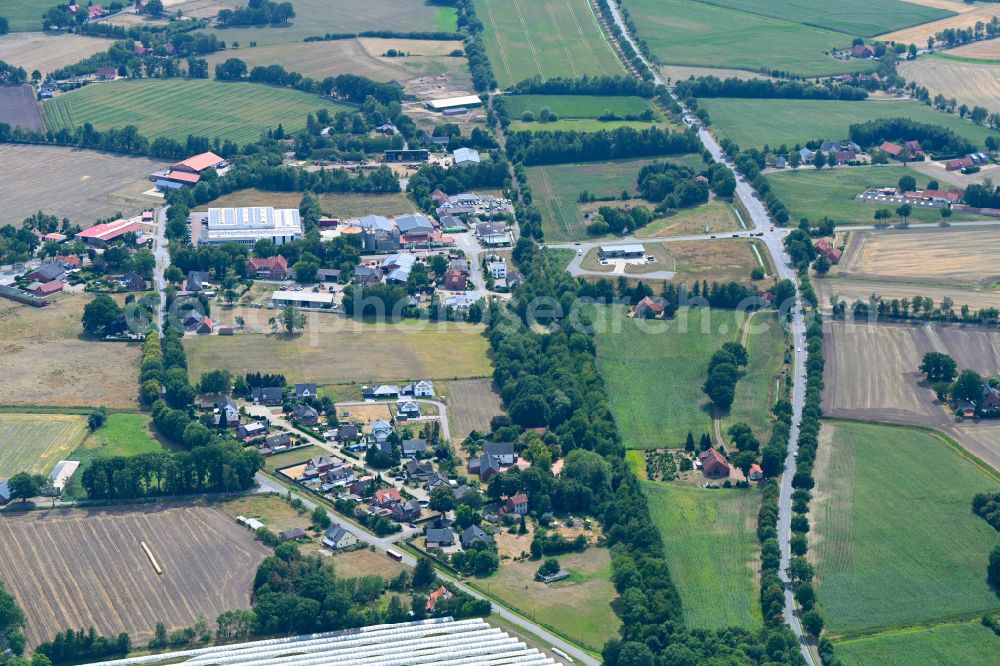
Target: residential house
x=914, y=149
x=46, y=272
x=293, y=534
x=455, y=280
x=779, y=162
x=826, y=248
x=435, y=480
x=412, y=447
x=198, y=280
x=502, y=451
x=516, y=504
x=435, y=596
x=485, y=466
x=251, y=430
x=463, y=490
x=863, y=51
x=514, y=279
x=305, y=414
x=492, y=234
x=807, y=156
x=362, y=486
x=276, y=443
x=647, y=308
x=380, y=392
x=407, y=409
x=440, y=537
x=270, y=268
x=339, y=477
x=338, y=538
x=381, y=430
x=347, y=432
x=756, y=473
x=473, y=535
x=417, y=471
x=107, y=73
x=423, y=388
x=4, y=492
x=132, y=281
x=991, y=399
x=266, y=395
x=228, y=408
x=713, y=464
x=439, y=198
x=319, y=466
x=386, y=498
x=305, y=391
x=367, y=275
x=498, y=269
x=407, y=511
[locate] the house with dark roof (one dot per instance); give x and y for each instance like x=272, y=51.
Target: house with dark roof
x=266, y=395
x=305, y=390
x=417, y=471
x=249, y=431
x=132, y=281
x=407, y=511
x=502, y=451
x=713, y=464
x=380, y=392
x=305, y=414
x=293, y=534
x=440, y=537
x=338, y=538
x=198, y=280
x=46, y=272
x=991, y=399
x=407, y=409
x=347, y=432
x=473, y=535
x=412, y=447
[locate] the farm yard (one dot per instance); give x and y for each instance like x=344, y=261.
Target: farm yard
x=550, y=39
x=686, y=32
x=45, y=52
x=334, y=350
x=712, y=552
x=18, y=107
x=579, y=607
x=24, y=15
x=89, y=569
x=319, y=17
x=363, y=57
x=176, y=108
x=36, y=442
x=956, y=256
x=973, y=82
x=814, y=193
x=654, y=371
x=342, y=206
x=957, y=644
x=891, y=503
x=556, y=190
x=45, y=361
x=471, y=405
x=83, y=185
x=752, y=123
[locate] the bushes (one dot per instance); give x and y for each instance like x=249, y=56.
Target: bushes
x=711, y=86
x=71, y=646
x=987, y=507
x=556, y=544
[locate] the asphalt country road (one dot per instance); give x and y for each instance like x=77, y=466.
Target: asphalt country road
x=783, y=265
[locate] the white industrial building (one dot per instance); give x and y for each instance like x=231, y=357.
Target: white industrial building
x=61, y=474
x=441, y=642
x=308, y=300
x=464, y=157
x=454, y=102
x=248, y=225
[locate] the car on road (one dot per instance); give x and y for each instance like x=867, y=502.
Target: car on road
x=579, y=252
x=576, y=243
x=736, y=235
x=711, y=236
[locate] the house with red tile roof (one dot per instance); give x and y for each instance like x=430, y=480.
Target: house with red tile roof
x=827, y=249
x=274, y=268
x=713, y=464
x=440, y=593
x=102, y=234
x=647, y=307
x=199, y=163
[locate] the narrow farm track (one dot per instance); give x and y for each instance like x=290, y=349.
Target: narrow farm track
x=716, y=416
x=503, y=55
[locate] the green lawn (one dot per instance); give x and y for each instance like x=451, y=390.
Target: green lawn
x=176, y=108
x=755, y=391
x=654, y=371
x=576, y=106
x=894, y=539
x=852, y=17
x=25, y=15
x=297, y=455
x=685, y=32
x=756, y=122
x=711, y=550
x=36, y=442
x=813, y=193
x=579, y=608
x=124, y=434
x=556, y=189
x=552, y=38
x=319, y=17
x=965, y=644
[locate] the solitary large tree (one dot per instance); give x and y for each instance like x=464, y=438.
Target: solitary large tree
x=293, y=319
x=938, y=367
x=24, y=486
x=968, y=386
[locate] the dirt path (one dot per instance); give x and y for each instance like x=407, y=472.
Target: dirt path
x=717, y=417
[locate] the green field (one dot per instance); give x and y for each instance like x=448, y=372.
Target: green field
x=752, y=123
x=894, y=539
x=297, y=455
x=36, y=442
x=813, y=193
x=685, y=32
x=556, y=189
x=654, y=373
x=965, y=644
x=178, y=107
x=552, y=38
x=24, y=15
x=124, y=434
x=756, y=392
x=711, y=550
x=577, y=106
x=319, y=17
x=852, y=17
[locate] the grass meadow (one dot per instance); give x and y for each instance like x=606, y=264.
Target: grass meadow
x=711, y=550
x=124, y=434
x=752, y=123
x=577, y=106
x=24, y=15
x=959, y=644
x=814, y=193
x=177, y=108
x=756, y=391
x=684, y=32
x=894, y=539
x=550, y=39
x=556, y=189
x=654, y=371
x=36, y=442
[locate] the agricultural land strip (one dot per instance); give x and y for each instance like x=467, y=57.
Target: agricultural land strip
x=36, y=442
x=471, y=405
x=975, y=83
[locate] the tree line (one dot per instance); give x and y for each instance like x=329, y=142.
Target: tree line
x=712, y=86
x=257, y=12
x=534, y=148
x=480, y=67
x=70, y=647
x=387, y=34
x=604, y=86
x=935, y=139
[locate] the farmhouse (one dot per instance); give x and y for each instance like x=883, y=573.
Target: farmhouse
x=100, y=235
x=863, y=51
x=272, y=268
x=107, y=73
x=338, y=538
x=440, y=593
x=827, y=249
x=46, y=272
x=713, y=464
x=647, y=307
x=247, y=225
x=307, y=300
x=465, y=157
x=452, y=103
x=293, y=534
x=46, y=288
x=935, y=196
x=630, y=251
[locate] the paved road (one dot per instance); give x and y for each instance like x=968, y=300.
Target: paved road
x=773, y=239
x=162, y=254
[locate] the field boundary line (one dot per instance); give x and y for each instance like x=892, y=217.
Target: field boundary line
x=71, y=410
x=496, y=34
x=943, y=437
x=970, y=617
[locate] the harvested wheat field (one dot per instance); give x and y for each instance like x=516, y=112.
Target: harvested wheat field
x=938, y=256
x=200, y=8
x=87, y=568
x=471, y=405
x=44, y=360
x=918, y=34
x=682, y=72
x=45, y=52
x=851, y=289
x=82, y=185
x=988, y=49
x=971, y=83
x=972, y=347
